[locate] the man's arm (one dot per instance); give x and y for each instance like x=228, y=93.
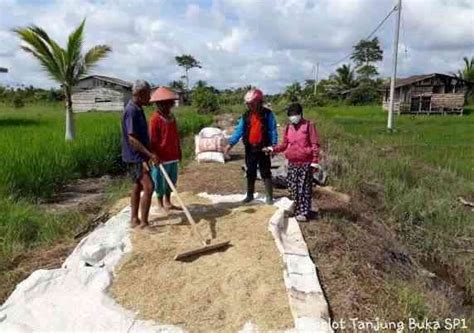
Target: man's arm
x=138, y=146
x=237, y=134
x=272, y=127
x=284, y=144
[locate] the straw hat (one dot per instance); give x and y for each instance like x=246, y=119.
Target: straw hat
x=163, y=94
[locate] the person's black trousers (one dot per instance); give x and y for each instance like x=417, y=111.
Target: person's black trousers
x=256, y=158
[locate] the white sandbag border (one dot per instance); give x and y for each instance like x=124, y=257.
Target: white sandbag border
x=307, y=302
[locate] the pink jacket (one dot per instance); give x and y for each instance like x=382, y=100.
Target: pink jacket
x=300, y=143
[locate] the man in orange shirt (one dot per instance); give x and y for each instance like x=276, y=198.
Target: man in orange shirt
x=257, y=128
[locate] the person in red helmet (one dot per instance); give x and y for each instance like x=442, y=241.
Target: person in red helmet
x=258, y=129
x=165, y=144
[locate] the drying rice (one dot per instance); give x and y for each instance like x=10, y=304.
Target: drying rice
x=216, y=292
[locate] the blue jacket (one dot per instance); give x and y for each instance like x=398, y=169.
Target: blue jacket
x=241, y=130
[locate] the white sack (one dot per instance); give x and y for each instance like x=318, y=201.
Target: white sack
x=210, y=156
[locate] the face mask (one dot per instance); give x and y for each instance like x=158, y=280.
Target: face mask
x=295, y=119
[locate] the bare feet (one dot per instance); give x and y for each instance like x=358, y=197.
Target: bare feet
x=135, y=222
x=146, y=227
x=160, y=211
x=172, y=207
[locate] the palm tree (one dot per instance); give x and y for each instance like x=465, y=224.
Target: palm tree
x=293, y=91
x=345, y=77
x=467, y=73
x=65, y=66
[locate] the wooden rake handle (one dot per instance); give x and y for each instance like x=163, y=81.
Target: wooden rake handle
x=183, y=206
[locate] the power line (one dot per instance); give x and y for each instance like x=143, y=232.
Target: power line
x=370, y=35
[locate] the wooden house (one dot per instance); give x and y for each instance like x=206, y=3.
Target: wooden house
x=427, y=94
x=101, y=93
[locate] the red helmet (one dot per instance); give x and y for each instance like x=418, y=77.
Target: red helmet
x=253, y=95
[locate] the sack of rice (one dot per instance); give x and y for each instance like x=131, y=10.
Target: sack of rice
x=210, y=144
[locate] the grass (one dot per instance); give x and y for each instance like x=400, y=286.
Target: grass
x=421, y=170
x=443, y=142
x=37, y=162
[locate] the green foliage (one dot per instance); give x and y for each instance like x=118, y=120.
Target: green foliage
x=188, y=62
x=18, y=102
x=205, y=100
x=200, y=84
x=234, y=96
x=364, y=93
x=365, y=54
x=314, y=100
x=29, y=94
x=293, y=92
x=177, y=85
x=67, y=65
x=345, y=77
x=467, y=73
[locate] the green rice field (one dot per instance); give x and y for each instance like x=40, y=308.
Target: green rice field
x=443, y=142
x=36, y=162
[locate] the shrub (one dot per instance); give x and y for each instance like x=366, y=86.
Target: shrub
x=204, y=100
x=314, y=100
x=365, y=93
x=18, y=102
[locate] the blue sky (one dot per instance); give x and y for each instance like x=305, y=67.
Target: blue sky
x=268, y=43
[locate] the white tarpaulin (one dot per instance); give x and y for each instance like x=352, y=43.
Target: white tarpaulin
x=74, y=298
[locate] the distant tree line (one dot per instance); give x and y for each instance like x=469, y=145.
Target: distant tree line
x=22, y=95
x=356, y=84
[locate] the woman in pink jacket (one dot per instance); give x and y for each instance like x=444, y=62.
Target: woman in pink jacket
x=301, y=147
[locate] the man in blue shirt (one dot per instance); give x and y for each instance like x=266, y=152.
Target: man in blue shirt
x=258, y=129
x=135, y=152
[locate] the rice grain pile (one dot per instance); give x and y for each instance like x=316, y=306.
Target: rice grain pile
x=218, y=292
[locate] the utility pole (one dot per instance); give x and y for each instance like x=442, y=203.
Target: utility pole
x=316, y=77
x=394, y=69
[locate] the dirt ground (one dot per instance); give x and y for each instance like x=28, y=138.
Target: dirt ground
x=217, y=292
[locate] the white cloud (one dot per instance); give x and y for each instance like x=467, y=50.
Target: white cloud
x=270, y=71
x=233, y=41
x=265, y=43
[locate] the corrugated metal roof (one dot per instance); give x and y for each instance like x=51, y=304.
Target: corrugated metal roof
x=415, y=78
x=412, y=79
x=109, y=79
